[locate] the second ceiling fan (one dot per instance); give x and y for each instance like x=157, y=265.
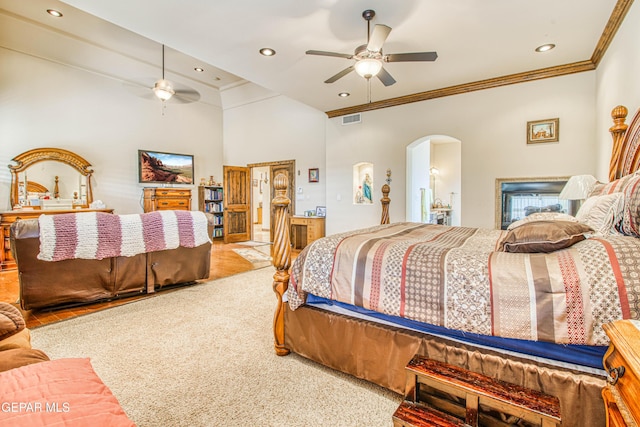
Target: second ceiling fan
x=369, y=58
x=163, y=89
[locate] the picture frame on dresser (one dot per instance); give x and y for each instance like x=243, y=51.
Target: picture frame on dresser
x=158, y=167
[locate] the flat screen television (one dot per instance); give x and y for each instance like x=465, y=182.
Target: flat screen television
x=156, y=167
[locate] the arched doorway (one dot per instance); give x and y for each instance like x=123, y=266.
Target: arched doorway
x=434, y=176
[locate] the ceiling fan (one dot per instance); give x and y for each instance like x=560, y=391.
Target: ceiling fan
x=164, y=90
x=369, y=57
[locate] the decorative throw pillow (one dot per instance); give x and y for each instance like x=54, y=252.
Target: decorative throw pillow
x=544, y=236
x=542, y=216
x=11, y=320
x=602, y=213
x=630, y=224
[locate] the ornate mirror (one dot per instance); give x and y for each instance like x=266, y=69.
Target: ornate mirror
x=67, y=176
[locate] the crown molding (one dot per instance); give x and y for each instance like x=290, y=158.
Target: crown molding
x=613, y=24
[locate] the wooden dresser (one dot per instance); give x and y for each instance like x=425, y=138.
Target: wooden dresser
x=9, y=217
x=622, y=362
x=162, y=199
x=305, y=230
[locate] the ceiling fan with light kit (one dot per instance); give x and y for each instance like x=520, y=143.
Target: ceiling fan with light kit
x=164, y=90
x=369, y=58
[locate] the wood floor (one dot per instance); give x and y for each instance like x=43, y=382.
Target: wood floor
x=224, y=262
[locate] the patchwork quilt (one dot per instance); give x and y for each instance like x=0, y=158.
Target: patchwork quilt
x=454, y=277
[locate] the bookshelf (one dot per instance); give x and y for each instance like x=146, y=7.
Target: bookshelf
x=210, y=198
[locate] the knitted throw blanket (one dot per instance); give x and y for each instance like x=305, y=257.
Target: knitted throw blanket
x=98, y=235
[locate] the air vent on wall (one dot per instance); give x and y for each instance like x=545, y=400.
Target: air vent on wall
x=349, y=120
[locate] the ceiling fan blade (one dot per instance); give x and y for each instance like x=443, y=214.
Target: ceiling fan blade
x=340, y=74
x=385, y=77
x=185, y=96
x=409, y=57
x=138, y=89
x=378, y=37
x=323, y=53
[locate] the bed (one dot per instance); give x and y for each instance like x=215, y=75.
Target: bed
x=524, y=305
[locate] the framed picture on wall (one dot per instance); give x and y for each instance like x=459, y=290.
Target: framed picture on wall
x=314, y=175
x=547, y=130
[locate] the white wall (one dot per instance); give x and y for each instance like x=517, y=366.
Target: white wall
x=618, y=83
x=261, y=126
x=44, y=104
x=492, y=127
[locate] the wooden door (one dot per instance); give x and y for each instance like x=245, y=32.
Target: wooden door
x=288, y=168
x=237, y=203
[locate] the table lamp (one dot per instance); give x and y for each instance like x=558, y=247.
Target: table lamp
x=578, y=187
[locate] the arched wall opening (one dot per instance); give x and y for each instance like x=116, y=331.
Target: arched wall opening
x=434, y=180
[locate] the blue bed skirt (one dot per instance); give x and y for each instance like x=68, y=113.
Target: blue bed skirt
x=583, y=355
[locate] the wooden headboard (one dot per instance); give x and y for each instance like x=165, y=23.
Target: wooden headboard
x=625, y=153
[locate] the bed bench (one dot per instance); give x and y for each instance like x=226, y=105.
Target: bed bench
x=435, y=382
x=414, y=414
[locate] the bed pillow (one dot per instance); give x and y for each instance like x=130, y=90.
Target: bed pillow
x=544, y=236
x=616, y=186
x=11, y=320
x=542, y=216
x=602, y=213
x=630, y=224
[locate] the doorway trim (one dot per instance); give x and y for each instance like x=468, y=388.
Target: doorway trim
x=292, y=185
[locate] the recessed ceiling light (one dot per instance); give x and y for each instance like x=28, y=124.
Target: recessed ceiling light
x=267, y=51
x=55, y=13
x=199, y=70
x=343, y=94
x=545, y=47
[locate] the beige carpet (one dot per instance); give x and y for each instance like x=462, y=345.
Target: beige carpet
x=203, y=356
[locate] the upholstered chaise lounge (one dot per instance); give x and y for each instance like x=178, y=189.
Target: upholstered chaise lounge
x=77, y=278
x=15, y=340
x=36, y=391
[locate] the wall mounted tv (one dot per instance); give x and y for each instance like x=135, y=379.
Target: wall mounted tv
x=164, y=168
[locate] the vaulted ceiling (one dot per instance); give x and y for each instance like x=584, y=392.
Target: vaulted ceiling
x=480, y=44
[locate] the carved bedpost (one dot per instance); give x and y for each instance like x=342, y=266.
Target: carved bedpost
x=385, y=204
x=281, y=253
x=619, y=114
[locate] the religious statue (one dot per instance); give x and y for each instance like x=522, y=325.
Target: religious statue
x=366, y=189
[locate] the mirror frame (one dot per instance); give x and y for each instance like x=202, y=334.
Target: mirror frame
x=31, y=157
